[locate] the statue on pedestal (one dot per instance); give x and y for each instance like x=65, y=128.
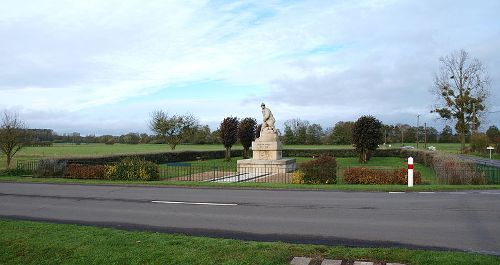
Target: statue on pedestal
x=267, y=120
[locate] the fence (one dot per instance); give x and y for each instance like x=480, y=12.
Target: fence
x=209, y=173
x=184, y=171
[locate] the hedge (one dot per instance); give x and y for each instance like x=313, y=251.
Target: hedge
x=322, y=170
x=158, y=158
x=79, y=171
x=363, y=175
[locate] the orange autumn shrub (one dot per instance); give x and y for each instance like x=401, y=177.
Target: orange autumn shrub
x=80, y=171
x=363, y=175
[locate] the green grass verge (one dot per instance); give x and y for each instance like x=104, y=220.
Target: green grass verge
x=339, y=187
x=25, y=242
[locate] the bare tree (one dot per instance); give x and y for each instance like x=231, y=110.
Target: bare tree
x=461, y=87
x=13, y=135
x=172, y=129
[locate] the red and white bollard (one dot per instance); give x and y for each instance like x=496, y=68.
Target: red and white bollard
x=410, y=171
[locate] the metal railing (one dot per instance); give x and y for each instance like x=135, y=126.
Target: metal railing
x=185, y=171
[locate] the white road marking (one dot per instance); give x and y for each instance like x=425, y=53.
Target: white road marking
x=196, y=203
x=396, y=192
x=426, y=192
x=488, y=192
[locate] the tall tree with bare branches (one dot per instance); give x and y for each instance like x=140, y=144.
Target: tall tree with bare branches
x=461, y=87
x=13, y=135
x=172, y=129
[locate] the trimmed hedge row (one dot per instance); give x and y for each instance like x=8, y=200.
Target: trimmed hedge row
x=132, y=168
x=338, y=152
x=158, y=158
x=363, y=175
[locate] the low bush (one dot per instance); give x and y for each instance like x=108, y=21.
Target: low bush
x=79, y=171
x=134, y=168
x=298, y=177
x=50, y=168
x=322, y=170
x=364, y=175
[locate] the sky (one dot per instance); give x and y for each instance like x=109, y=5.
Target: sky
x=101, y=67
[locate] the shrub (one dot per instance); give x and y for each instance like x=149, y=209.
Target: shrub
x=298, y=177
x=134, y=168
x=79, y=171
x=50, y=168
x=363, y=175
x=453, y=170
x=109, y=171
x=322, y=170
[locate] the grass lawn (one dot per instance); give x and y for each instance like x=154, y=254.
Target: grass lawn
x=24, y=242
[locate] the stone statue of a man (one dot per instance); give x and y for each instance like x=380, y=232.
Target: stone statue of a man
x=267, y=120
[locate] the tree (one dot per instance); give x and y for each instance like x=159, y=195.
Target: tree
x=446, y=135
x=295, y=131
x=461, y=86
x=172, y=129
x=13, y=136
x=342, y=132
x=246, y=134
x=228, y=134
x=366, y=136
x=131, y=138
x=314, y=133
x=493, y=134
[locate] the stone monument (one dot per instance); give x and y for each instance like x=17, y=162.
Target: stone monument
x=267, y=150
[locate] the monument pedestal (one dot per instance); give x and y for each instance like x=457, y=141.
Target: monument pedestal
x=267, y=157
x=283, y=165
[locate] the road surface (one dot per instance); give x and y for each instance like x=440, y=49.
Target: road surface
x=468, y=221
x=482, y=161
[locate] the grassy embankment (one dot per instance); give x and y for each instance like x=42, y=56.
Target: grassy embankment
x=24, y=242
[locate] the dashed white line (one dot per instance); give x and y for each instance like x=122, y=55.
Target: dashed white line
x=492, y=193
x=396, y=192
x=196, y=203
x=426, y=192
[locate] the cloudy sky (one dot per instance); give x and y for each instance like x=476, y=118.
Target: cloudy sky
x=104, y=66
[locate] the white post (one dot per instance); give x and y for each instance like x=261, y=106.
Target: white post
x=410, y=172
x=490, y=148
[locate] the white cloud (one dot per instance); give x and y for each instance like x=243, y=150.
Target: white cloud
x=83, y=56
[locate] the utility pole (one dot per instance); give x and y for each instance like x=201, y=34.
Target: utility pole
x=425, y=135
x=418, y=127
x=474, y=119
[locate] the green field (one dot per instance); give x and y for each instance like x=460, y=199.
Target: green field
x=89, y=150
x=24, y=242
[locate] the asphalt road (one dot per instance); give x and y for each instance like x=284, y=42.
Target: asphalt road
x=482, y=161
x=468, y=221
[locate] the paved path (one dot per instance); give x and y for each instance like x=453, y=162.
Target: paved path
x=482, y=161
x=467, y=221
